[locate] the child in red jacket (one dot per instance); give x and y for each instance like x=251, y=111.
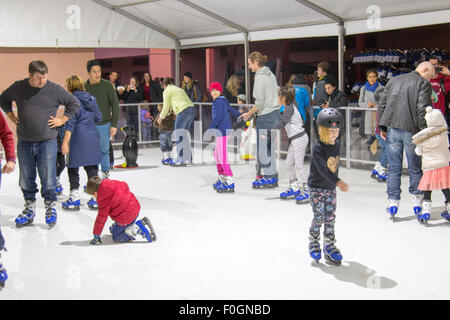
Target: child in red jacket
x=115, y=200
x=7, y=140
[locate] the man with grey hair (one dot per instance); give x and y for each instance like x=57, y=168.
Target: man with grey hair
x=401, y=114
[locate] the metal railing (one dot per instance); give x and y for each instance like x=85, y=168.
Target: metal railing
x=352, y=144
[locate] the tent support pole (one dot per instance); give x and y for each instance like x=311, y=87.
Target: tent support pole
x=177, y=63
x=341, y=48
x=247, y=71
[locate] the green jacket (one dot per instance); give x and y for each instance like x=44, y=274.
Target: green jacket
x=107, y=101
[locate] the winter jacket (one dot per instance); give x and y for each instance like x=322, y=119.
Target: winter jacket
x=366, y=96
x=403, y=102
x=302, y=94
x=7, y=139
x=84, y=143
x=193, y=91
x=175, y=99
x=167, y=124
x=144, y=121
x=221, y=111
x=337, y=99
x=292, y=122
x=320, y=95
x=432, y=142
x=155, y=94
x=115, y=200
x=133, y=96
x=265, y=91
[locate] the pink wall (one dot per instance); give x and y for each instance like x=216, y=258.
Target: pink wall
x=61, y=64
x=112, y=53
x=162, y=63
x=126, y=69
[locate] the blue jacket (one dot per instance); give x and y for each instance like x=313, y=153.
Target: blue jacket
x=302, y=99
x=221, y=111
x=84, y=143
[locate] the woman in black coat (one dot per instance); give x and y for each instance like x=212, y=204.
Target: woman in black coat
x=133, y=94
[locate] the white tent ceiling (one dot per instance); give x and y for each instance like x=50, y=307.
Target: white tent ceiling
x=189, y=23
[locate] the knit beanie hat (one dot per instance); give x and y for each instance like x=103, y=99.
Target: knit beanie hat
x=215, y=86
x=188, y=74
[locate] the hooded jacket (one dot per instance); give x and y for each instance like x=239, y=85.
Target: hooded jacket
x=115, y=200
x=84, y=143
x=403, y=102
x=265, y=91
x=432, y=142
x=221, y=111
x=292, y=121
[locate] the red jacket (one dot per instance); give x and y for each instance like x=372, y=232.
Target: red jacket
x=115, y=199
x=438, y=89
x=7, y=139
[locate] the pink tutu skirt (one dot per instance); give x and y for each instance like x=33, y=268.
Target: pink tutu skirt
x=436, y=179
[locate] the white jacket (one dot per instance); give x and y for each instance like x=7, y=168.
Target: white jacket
x=432, y=142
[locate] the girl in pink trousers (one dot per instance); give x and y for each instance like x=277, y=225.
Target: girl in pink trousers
x=221, y=121
x=432, y=144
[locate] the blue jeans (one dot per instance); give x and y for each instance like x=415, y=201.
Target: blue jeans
x=184, y=122
x=383, y=157
x=266, y=149
x=40, y=156
x=165, y=141
x=146, y=132
x=118, y=232
x=397, y=141
x=104, y=136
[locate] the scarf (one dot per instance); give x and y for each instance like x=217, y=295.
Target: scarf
x=371, y=88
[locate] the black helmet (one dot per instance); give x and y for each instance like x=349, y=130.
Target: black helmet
x=330, y=118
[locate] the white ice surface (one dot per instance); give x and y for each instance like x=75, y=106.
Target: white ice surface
x=247, y=245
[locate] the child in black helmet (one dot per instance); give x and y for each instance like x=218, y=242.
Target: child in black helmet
x=322, y=182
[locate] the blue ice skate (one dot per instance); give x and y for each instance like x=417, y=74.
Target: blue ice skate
x=167, y=162
x=92, y=204
x=3, y=277
x=225, y=187
x=257, y=183
x=266, y=183
x=332, y=254
x=289, y=194
x=27, y=215
x=314, y=250
x=72, y=205
x=392, y=208
x=423, y=218
x=178, y=163
x=303, y=197
x=150, y=235
x=59, y=190
x=445, y=215
x=217, y=184
x=50, y=213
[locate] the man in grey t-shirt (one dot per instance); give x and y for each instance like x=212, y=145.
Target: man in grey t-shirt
x=38, y=100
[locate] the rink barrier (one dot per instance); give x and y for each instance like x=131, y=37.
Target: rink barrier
x=199, y=122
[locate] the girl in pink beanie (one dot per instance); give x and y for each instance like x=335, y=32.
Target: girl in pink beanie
x=221, y=122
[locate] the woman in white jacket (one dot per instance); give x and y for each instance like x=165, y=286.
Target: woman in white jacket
x=432, y=144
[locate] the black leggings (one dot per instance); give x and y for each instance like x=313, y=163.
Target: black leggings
x=74, y=177
x=60, y=163
x=446, y=192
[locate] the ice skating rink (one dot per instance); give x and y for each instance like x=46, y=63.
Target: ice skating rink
x=247, y=245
